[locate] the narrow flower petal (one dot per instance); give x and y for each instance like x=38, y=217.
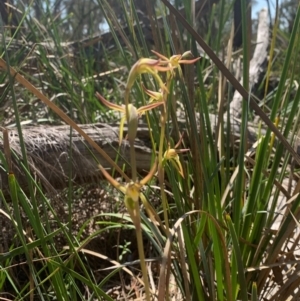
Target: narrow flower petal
x=179, y=141
x=111, y=180
x=109, y=104
x=149, y=107
x=149, y=176
x=155, y=96
x=192, y=61
x=182, y=150
x=160, y=55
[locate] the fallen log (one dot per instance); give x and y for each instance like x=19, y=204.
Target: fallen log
x=56, y=154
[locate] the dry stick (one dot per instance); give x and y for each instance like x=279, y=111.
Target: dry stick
x=61, y=114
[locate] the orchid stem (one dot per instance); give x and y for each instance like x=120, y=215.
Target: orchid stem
x=139, y=236
x=161, y=177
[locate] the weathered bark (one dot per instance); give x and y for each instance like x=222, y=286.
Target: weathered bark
x=55, y=153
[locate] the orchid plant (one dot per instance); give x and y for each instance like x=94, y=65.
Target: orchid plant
x=133, y=190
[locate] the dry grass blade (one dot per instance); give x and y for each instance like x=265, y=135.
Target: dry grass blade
x=7, y=151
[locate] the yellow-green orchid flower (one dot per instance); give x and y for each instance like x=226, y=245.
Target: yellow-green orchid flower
x=171, y=154
x=175, y=60
x=154, y=96
x=131, y=190
x=134, y=114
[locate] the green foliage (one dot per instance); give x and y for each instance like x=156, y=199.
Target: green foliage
x=218, y=214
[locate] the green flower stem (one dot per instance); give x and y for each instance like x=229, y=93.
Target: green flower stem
x=135, y=216
x=137, y=222
x=161, y=172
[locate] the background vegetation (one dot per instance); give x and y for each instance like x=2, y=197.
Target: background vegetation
x=233, y=217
